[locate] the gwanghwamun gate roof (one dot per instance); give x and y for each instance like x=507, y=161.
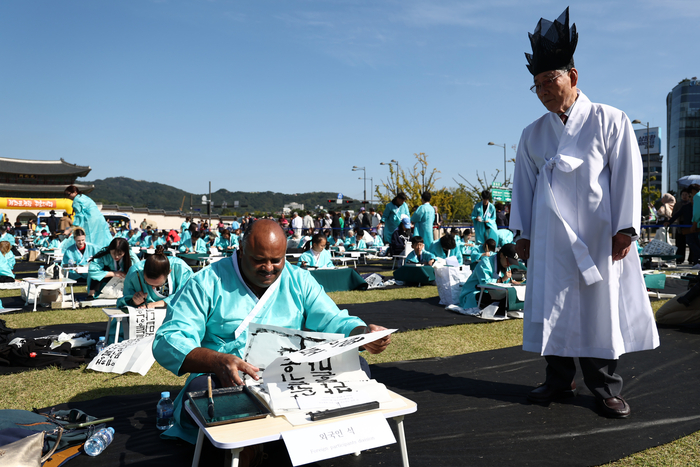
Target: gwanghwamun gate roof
x=24, y=178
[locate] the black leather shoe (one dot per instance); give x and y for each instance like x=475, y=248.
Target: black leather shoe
x=546, y=393
x=614, y=407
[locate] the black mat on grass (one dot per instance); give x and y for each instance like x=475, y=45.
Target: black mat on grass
x=408, y=315
x=96, y=330
x=472, y=410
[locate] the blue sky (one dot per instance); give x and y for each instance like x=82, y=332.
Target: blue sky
x=289, y=95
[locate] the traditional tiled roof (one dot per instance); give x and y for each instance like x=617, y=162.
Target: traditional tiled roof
x=25, y=166
x=37, y=188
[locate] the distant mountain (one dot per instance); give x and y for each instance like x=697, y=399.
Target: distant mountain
x=141, y=194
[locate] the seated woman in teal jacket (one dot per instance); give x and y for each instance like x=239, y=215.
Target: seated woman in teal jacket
x=317, y=256
x=112, y=261
x=446, y=247
x=80, y=252
x=194, y=244
x=7, y=262
x=491, y=269
x=152, y=283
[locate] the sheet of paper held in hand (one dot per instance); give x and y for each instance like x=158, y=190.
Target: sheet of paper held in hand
x=295, y=381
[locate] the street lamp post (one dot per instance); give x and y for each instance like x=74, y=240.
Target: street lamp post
x=637, y=122
x=371, y=188
x=504, y=160
x=394, y=161
x=355, y=169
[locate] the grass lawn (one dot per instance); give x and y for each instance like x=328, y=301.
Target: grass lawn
x=41, y=388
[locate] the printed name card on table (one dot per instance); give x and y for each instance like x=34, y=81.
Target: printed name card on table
x=326, y=440
x=144, y=321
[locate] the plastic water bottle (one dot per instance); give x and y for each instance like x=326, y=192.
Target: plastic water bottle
x=164, y=409
x=99, y=441
x=101, y=344
x=42, y=273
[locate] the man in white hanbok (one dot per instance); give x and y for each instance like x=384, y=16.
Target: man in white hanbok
x=577, y=204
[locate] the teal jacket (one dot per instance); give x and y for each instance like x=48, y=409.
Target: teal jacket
x=485, y=272
x=89, y=217
x=423, y=220
x=436, y=249
x=488, y=218
x=134, y=282
x=392, y=218
x=200, y=246
x=80, y=259
x=7, y=264
x=98, y=268
x=324, y=259
x=425, y=257
x=208, y=309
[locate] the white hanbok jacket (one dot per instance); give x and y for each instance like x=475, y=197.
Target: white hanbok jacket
x=576, y=186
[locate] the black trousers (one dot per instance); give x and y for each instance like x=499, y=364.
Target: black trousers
x=680, y=243
x=598, y=374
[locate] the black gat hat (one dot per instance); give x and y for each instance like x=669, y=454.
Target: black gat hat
x=553, y=45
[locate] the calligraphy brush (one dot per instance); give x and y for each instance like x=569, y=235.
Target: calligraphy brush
x=211, y=398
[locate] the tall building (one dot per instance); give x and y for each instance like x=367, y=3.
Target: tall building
x=650, y=148
x=683, y=131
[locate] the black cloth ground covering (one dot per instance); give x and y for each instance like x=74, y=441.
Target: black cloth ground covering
x=95, y=329
x=408, y=315
x=472, y=410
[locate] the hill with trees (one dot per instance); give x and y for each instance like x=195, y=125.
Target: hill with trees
x=142, y=194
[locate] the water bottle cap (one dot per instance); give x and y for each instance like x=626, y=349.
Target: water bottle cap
x=102, y=338
x=165, y=394
x=110, y=429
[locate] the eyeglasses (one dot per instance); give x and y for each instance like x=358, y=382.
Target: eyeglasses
x=535, y=88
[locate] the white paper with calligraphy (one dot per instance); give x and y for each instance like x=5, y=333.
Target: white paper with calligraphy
x=144, y=321
x=294, y=388
x=331, y=349
x=337, y=438
x=267, y=342
x=133, y=355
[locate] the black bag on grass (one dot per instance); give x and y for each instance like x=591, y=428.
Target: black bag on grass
x=37, y=353
x=18, y=424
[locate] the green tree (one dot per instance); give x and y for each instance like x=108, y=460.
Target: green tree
x=462, y=205
x=414, y=183
x=649, y=196
x=473, y=190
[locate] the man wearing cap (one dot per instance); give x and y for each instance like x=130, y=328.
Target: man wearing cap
x=577, y=203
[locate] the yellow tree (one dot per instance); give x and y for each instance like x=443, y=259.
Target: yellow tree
x=413, y=183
